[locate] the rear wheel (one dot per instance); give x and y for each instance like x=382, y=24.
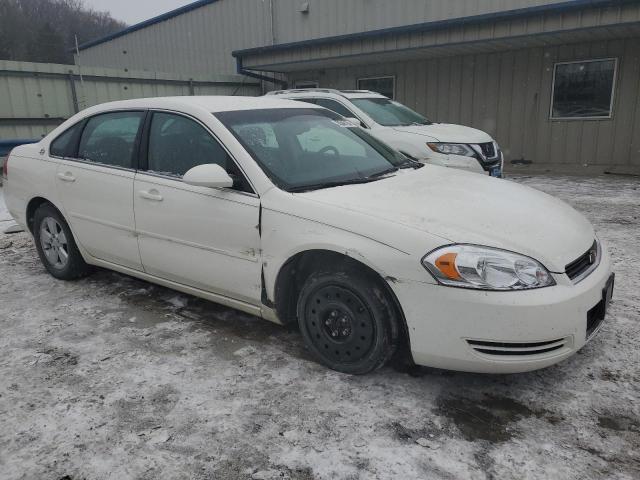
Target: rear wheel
x=347, y=321
x=55, y=244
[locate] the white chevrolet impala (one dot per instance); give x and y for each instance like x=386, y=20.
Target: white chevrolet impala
x=289, y=212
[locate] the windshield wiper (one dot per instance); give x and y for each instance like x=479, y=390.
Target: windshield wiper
x=409, y=162
x=339, y=183
x=383, y=173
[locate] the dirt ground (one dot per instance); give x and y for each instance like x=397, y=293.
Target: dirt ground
x=114, y=378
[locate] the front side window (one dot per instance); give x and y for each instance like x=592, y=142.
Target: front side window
x=382, y=85
x=389, y=113
x=310, y=148
x=177, y=144
x=583, y=89
x=110, y=138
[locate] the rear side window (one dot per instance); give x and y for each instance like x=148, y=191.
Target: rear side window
x=335, y=107
x=65, y=144
x=312, y=101
x=110, y=138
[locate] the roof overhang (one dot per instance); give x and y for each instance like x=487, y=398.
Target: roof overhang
x=147, y=23
x=558, y=23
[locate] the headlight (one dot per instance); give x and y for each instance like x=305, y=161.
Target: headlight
x=452, y=149
x=485, y=268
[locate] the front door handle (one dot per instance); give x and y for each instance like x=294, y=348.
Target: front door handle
x=151, y=195
x=67, y=177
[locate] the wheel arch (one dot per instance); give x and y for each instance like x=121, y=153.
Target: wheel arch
x=294, y=271
x=36, y=202
x=33, y=205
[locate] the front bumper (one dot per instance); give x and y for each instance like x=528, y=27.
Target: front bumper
x=461, y=329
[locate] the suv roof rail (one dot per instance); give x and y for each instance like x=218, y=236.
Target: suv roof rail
x=319, y=90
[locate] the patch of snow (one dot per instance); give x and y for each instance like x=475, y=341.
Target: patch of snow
x=191, y=389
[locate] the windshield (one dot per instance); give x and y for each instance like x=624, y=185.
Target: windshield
x=305, y=149
x=389, y=113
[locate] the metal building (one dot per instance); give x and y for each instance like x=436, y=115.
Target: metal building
x=557, y=83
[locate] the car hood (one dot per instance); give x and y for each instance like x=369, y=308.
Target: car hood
x=446, y=132
x=462, y=207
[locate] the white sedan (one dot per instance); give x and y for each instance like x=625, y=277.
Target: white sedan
x=289, y=212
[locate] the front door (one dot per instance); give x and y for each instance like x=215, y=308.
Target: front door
x=96, y=187
x=202, y=237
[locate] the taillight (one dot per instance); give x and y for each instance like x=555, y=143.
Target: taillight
x=5, y=168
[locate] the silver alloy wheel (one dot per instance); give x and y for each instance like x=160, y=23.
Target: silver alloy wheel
x=54, y=243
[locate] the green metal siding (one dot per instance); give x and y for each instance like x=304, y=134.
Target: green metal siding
x=36, y=97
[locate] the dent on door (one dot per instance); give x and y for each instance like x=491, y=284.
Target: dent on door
x=198, y=236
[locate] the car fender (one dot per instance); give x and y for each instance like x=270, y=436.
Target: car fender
x=284, y=236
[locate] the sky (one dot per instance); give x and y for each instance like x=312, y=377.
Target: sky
x=134, y=11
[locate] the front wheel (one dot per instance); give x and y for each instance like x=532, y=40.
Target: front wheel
x=56, y=246
x=348, y=321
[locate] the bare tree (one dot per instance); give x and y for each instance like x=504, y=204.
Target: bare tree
x=44, y=30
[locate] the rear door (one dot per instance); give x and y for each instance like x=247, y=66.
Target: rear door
x=95, y=184
x=202, y=237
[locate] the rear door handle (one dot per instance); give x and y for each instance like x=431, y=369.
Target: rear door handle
x=67, y=177
x=151, y=195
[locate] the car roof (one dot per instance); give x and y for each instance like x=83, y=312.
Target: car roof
x=211, y=104
x=324, y=93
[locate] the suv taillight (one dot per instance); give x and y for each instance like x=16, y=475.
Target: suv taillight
x=5, y=168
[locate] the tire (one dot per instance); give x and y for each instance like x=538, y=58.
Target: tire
x=348, y=321
x=56, y=246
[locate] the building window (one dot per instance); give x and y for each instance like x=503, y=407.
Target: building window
x=383, y=85
x=583, y=89
x=306, y=84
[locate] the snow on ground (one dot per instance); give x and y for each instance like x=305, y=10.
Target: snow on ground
x=114, y=378
x=5, y=216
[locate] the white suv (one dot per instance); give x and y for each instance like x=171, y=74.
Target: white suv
x=409, y=132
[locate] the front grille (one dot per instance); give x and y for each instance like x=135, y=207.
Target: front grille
x=583, y=263
x=506, y=349
x=488, y=149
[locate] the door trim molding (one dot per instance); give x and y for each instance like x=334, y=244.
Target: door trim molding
x=102, y=222
x=250, y=256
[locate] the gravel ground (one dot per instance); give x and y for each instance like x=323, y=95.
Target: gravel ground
x=114, y=378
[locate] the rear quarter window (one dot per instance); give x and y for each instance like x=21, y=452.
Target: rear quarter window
x=65, y=144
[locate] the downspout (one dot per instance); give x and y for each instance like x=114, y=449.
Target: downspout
x=243, y=71
x=272, y=18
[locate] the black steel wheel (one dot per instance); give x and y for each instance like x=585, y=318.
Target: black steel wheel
x=346, y=322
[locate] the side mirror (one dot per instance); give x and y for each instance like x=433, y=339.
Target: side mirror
x=209, y=175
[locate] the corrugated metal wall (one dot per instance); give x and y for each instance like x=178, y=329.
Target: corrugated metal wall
x=508, y=94
x=36, y=97
x=337, y=17
x=556, y=27
x=201, y=41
